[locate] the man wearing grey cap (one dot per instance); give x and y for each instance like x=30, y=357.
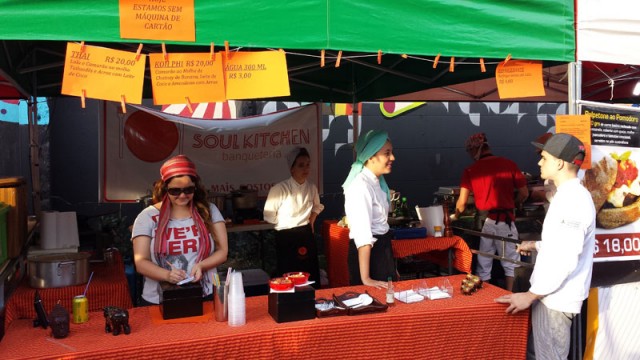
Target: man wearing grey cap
x=562, y=273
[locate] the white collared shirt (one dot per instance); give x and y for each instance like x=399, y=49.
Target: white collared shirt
x=562, y=272
x=290, y=204
x=367, y=208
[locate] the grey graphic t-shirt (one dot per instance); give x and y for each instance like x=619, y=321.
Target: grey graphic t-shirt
x=183, y=246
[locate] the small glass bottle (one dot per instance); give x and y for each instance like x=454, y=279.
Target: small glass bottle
x=437, y=231
x=390, y=298
x=404, y=208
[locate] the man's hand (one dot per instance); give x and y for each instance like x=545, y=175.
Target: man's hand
x=526, y=247
x=517, y=301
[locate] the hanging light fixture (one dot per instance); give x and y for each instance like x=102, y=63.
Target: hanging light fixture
x=636, y=89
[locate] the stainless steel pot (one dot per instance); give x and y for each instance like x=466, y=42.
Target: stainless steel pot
x=244, y=198
x=58, y=270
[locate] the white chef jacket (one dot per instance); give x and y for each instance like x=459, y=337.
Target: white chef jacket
x=367, y=208
x=290, y=204
x=562, y=273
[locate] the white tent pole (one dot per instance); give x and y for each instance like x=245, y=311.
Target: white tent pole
x=575, y=86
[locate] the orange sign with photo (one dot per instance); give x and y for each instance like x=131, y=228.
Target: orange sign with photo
x=184, y=78
x=580, y=127
x=519, y=78
x=157, y=20
x=102, y=73
x=254, y=75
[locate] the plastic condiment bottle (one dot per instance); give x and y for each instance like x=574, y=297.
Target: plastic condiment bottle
x=390, y=299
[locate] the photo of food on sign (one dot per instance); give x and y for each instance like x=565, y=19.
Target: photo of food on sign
x=615, y=188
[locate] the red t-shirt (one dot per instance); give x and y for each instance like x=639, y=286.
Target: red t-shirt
x=493, y=180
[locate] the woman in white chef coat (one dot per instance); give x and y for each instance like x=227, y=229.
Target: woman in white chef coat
x=293, y=206
x=366, y=205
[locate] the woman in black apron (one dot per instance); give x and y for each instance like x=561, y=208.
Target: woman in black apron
x=293, y=205
x=366, y=205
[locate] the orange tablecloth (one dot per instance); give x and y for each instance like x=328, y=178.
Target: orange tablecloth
x=464, y=327
x=108, y=287
x=336, y=247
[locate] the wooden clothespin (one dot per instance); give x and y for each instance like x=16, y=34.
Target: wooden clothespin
x=164, y=52
x=506, y=60
x=379, y=57
x=404, y=56
x=226, y=49
x=123, y=103
x=435, y=61
x=452, y=64
x=189, y=104
x=339, y=58
x=212, y=52
x=83, y=98
x=482, y=67
x=138, y=52
x=82, y=47
x=322, y=58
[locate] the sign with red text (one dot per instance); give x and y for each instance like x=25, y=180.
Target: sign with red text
x=228, y=153
x=255, y=75
x=101, y=73
x=182, y=78
x=614, y=181
x=157, y=20
x=519, y=78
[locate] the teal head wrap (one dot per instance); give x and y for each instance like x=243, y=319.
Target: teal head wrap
x=367, y=146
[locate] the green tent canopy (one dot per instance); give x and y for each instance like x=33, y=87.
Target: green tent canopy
x=35, y=33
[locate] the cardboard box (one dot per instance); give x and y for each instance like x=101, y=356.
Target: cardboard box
x=4, y=210
x=13, y=192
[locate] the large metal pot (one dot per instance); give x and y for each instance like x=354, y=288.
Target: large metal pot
x=58, y=270
x=244, y=198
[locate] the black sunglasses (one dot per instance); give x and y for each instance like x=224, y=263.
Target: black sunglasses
x=177, y=191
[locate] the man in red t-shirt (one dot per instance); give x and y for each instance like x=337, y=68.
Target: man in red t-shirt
x=493, y=181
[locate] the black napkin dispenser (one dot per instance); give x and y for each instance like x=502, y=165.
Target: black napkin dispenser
x=180, y=301
x=295, y=306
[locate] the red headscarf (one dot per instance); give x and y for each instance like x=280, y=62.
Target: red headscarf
x=179, y=165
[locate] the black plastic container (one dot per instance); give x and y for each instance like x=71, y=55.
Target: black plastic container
x=180, y=301
x=299, y=305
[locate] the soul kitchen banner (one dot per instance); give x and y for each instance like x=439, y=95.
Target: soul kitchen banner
x=613, y=181
x=228, y=153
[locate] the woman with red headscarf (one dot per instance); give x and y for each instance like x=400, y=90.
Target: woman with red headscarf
x=182, y=235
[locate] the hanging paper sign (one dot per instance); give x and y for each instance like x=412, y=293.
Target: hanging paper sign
x=260, y=74
x=157, y=20
x=580, y=127
x=518, y=79
x=102, y=73
x=186, y=78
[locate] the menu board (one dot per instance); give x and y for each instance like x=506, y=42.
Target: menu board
x=615, y=158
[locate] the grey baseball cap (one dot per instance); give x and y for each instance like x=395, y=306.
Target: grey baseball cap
x=565, y=147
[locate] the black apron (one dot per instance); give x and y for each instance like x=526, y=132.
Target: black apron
x=382, y=265
x=501, y=214
x=296, y=250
